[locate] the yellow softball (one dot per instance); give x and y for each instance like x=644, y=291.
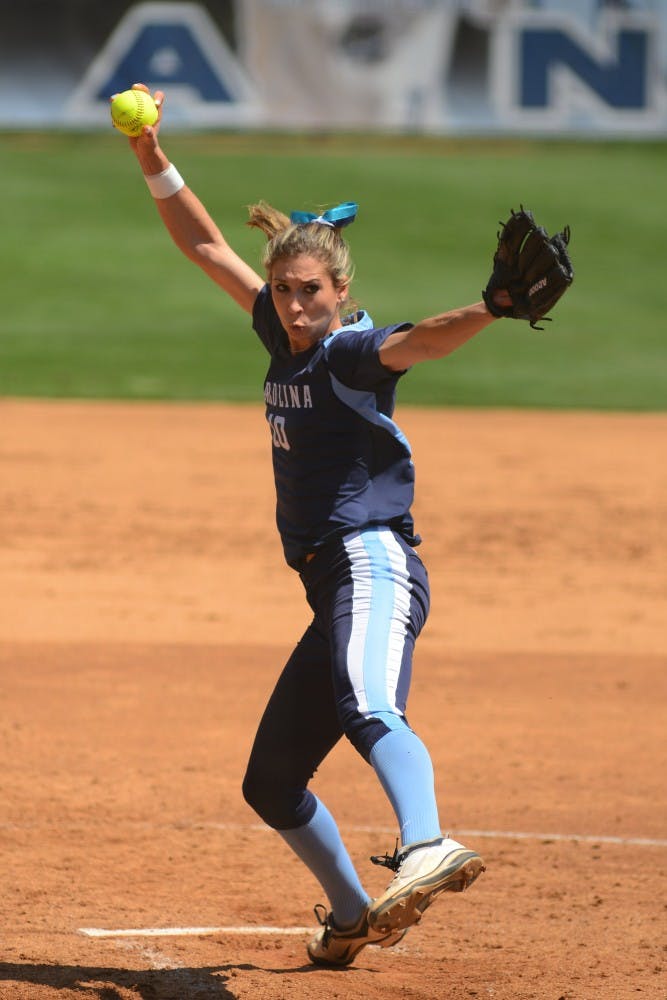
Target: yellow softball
x=131, y=110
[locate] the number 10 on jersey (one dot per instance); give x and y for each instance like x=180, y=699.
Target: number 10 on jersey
x=277, y=424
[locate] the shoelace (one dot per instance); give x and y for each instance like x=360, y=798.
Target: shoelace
x=395, y=860
x=323, y=918
x=391, y=861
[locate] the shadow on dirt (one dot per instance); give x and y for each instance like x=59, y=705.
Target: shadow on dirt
x=107, y=983
x=206, y=983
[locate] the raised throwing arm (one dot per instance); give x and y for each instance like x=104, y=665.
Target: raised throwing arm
x=188, y=222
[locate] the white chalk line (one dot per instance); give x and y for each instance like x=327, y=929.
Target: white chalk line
x=583, y=838
x=156, y=932
x=262, y=931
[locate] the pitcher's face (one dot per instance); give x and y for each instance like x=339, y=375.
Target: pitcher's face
x=306, y=300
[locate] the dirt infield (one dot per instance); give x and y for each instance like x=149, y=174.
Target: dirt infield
x=144, y=613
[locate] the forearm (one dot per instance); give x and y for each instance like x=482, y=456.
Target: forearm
x=195, y=233
x=191, y=227
x=435, y=337
x=440, y=335
x=185, y=217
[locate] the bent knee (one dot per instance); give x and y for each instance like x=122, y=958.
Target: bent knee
x=258, y=793
x=280, y=806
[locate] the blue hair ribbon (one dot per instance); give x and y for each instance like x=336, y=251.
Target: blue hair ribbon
x=337, y=217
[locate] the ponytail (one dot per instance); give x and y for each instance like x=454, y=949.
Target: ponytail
x=316, y=236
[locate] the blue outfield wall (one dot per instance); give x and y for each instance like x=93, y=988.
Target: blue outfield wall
x=455, y=67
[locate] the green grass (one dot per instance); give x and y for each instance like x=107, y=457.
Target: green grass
x=99, y=304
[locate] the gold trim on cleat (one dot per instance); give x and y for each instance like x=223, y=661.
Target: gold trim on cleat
x=335, y=947
x=403, y=905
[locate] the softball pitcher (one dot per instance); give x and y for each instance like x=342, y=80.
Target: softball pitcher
x=344, y=483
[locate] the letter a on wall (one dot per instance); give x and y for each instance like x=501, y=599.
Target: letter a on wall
x=175, y=47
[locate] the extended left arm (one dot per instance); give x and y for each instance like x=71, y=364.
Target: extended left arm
x=531, y=271
x=434, y=337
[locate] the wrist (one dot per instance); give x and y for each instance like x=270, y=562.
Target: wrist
x=492, y=306
x=151, y=158
x=165, y=183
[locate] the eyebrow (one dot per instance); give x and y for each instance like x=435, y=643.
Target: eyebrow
x=302, y=281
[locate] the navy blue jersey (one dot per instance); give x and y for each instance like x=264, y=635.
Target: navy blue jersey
x=340, y=462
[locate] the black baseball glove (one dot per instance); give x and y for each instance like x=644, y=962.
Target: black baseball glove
x=533, y=267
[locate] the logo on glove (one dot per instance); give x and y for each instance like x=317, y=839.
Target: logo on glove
x=542, y=283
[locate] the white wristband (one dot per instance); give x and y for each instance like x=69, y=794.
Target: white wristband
x=164, y=184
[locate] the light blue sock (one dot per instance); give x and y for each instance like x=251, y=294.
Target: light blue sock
x=321, y=849
x=403, y=765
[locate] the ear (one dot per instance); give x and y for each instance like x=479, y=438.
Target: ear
x=343, y=289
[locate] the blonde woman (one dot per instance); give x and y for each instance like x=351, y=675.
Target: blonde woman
x=344, y=488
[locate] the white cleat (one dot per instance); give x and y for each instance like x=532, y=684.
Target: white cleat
x=423, y=871
x=332, y=946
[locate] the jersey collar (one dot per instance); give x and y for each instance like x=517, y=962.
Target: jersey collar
x=360, y=321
